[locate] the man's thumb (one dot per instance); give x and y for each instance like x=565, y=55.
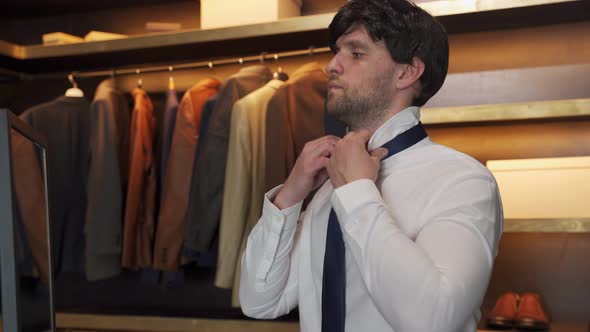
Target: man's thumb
x=379, y=153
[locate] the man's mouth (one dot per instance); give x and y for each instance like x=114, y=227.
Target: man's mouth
x=334, y=85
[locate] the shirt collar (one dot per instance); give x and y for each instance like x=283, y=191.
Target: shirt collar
x=396, y=125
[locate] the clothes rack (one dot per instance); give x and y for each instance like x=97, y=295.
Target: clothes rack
x=262, y=57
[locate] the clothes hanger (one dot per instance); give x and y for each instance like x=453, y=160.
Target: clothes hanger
x=139, y=80
x=279, y=74
x=171, y=79
x=73, y=91
x=261, y=57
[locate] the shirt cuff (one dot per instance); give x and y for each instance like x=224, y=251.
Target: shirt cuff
x=286, y=218
x=352, y=196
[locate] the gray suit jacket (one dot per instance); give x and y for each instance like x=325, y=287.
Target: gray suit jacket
x=65, y=123
x=107, y=181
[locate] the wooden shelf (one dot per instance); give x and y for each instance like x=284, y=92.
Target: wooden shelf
x=156, y=40
x=507, y=112
x=578, y=225
x=555, y=327
x=283, y=35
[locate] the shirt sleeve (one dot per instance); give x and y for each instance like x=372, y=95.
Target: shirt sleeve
x=268, y=284
x=432, y=283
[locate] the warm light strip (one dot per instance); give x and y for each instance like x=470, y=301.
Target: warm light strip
x=507, y=112
x=510, y=165
x=454, y=7
x=578, y=225
x=545, y=188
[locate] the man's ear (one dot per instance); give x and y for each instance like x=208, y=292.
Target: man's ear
x=409, y=73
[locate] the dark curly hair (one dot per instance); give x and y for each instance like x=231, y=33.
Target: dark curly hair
x=407, y=30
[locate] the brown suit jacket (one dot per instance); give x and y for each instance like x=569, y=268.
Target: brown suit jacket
x=294, y=117
x=209, y=170
x=175, y=198
x=141, y=193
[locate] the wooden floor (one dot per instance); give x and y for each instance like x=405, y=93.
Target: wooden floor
x=76, y=322
x=97, y=323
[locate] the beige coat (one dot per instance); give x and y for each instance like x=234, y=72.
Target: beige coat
x=244, y=181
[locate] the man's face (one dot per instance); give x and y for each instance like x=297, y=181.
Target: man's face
x=361, y=85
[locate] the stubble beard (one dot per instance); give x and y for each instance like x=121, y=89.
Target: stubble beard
x=362, y=108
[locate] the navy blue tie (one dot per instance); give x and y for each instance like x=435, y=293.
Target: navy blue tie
x=334, y=276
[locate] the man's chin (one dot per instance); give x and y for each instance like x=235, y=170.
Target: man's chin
x=332, y=111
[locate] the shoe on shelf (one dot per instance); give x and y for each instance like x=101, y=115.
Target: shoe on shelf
x=505, y=311
x=531, y=316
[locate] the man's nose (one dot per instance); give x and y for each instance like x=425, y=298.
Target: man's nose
x=334, y=67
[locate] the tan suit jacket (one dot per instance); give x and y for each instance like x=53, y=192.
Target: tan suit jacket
x=294, y=117
x=141, y=194
x=175, y=196
x=243, y=192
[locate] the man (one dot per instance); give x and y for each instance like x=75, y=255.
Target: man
x=418, y=230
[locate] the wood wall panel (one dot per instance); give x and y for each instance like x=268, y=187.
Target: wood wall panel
x=515, y=85
x=517, y=140
x=520, y=48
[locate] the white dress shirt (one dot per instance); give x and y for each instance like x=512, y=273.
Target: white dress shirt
x=420, y=243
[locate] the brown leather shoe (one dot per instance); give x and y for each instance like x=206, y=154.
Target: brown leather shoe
x=504, y=312
x=531, y=315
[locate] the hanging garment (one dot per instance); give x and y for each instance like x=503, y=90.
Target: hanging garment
x=175, y=198
x=244, y=181
x=294, y=117
x=107, y=181
x=202, y=258
x=207, y=182
x=141, y=193
x=167, y=131
x=65, y=122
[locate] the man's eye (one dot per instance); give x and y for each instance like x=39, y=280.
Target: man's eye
x=357, y=55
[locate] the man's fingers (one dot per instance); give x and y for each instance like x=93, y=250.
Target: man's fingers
x=320, y=145
x=321, y=177
x=327, y=138
x=321, y=162
x=379, y=153
x=364, y=134
x=324, y=148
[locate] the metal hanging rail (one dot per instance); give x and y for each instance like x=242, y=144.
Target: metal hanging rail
x=264, y=56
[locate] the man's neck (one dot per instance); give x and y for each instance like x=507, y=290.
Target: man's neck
x=374, y=124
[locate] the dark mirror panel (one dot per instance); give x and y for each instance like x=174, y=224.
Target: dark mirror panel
x=32, y=240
